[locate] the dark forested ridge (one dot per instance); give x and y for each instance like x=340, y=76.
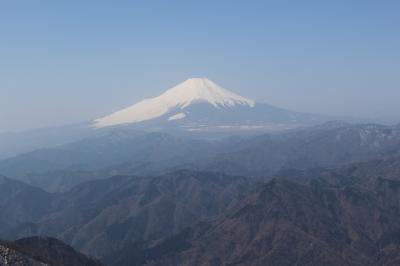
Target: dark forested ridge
x=35, y=251
x=99, y=217
x=332, y=218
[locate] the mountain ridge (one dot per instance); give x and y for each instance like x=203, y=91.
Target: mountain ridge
x=322, y=217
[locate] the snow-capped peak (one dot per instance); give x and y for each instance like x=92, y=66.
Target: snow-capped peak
x=179, y=97
x=203, y=89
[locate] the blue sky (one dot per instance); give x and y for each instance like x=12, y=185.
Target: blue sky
x=69, y=61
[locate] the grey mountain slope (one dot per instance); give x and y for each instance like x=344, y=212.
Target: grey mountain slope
x=21, y=203
x=103, y=216
x=317, y=217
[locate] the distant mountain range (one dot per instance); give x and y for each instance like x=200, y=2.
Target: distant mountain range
x=172, y=181
x=126, y=152
x=196, y=107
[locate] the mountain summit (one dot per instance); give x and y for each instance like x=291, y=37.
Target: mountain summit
x=180, y=97
x=199, y=104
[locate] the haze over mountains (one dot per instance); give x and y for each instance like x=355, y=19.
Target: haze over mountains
x=200, y=133
x=129, y=152
x=342, y=216
x=197, y=105
x=203, y=176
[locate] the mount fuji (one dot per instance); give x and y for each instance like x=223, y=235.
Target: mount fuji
x=197, y=107
x=199, y=104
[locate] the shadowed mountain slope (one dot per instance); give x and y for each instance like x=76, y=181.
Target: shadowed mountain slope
x=21, y=203
x=332, y=218
x=103, y=216
x=35, y=251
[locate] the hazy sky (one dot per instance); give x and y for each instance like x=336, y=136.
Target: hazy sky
x=69, y=61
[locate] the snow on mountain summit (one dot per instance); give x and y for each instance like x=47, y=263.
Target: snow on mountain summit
x=203, y=89
x=194, y=90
